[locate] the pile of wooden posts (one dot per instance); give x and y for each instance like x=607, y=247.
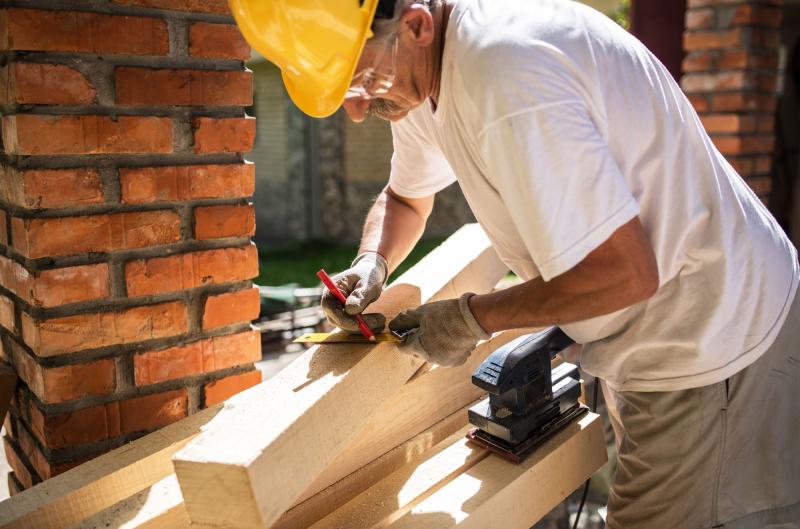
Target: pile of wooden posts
x=348, y=436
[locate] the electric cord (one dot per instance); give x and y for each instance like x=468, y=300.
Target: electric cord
x=593, y=408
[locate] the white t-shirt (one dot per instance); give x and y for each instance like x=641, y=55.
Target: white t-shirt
x=560, y=127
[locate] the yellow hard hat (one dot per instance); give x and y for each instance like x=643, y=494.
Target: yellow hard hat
x=315, y=43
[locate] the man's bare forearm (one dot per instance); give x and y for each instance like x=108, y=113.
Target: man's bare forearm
x=618, y=274
x=394, y=225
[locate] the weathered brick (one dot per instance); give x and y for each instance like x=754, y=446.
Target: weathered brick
x=700, y=18
x=189, y=182
x=761, y=185
x=698, y=62
x=59, y=384
x=763, y=164
x=728, y=123
x=54, y=188
x=49, y=237
x=742, y=165
x=153, y=411
x=231, y=307
x=148, y=86
x=700, y=102
x=48, y=84
x=702, y=40
x=224, y=134
x=110, y=420
x=55, y=336
x=58, y=286
x=713, y=3
x=197, y=6
x=40, y=134
x=85, y=32
x=18, y=462
x=743, y=101
x=766, y=38
x=214, y=222
x=735, y=145
x=7, y=313
x=712, y=82
x=225, y=388
x=217, y=41
x=190, y=270
x=758, y=15
x=205, y=356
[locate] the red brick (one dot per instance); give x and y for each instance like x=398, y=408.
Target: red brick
x=700, y=18
x=699, y=102
x=738, y=102
x=59, y=384
x=15, y=460
x=742, y=165
x=703, y=40
x=110, y=420
x=767, y=83
x=45, y=468
x=7, y=313
x=14, y=486
x=766, y=38
x=147, y=86
x=763, y=164
x=39, y=134
x=85, y=32
x=3, y=228
x=197, y=6
x=190, y=270
x=214, y=222
x=225, y=388
x=704, y=3
x=153, y=411
x=756, y=15
x=744, y=144
x=728, y=123
x=740, y=59
x=48, y=84
x=205, y=356
x=58, y=286
x=55, y=336
x=231, y=307
x=54, y=188
x=712, y=82
x=76, y=427
x=698, y=62
x=189, y=182
x=224, y=135
x=217, y=41
x=761, y=185
x=49, y=237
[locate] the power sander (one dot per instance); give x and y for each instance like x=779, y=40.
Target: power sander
x=528, y=400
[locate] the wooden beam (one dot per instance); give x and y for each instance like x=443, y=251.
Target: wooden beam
x=68, y=498
x=269, y=444
x=496, y=494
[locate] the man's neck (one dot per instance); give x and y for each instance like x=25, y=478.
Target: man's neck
x=441, y=17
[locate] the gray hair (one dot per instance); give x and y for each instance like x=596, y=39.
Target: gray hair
x=386, y=28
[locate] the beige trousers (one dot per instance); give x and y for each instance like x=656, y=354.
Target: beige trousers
x=720, y=456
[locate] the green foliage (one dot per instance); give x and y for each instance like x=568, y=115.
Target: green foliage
x=621, y=15
x=299, y=262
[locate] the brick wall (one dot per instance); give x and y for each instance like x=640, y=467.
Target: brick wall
x=125, y=222
x=730, y=77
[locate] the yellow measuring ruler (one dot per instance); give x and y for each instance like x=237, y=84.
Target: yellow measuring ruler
x=343, y=337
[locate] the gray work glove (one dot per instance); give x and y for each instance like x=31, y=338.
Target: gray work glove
x=361, y=284
x=443, y=332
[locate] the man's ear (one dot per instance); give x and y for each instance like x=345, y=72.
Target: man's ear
x=417, y=19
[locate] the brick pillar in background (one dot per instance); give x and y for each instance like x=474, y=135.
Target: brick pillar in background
x=730, y=77
x=125, y=222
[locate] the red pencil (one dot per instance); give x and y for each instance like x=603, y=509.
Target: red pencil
x=326, y=280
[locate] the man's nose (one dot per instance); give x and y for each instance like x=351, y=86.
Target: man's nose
x=356, y=109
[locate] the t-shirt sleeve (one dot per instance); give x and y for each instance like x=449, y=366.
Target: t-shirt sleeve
x=563, y=188
x=419, y=169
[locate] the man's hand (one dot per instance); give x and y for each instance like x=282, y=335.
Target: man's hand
x=443, y=332
x=361, y=284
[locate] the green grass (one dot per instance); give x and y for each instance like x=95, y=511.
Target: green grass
x=299, y=262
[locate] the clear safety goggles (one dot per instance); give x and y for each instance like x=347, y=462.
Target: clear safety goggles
x=377, y=78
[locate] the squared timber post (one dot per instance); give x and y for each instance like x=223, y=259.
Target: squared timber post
x=125, y=222
x=731, y=72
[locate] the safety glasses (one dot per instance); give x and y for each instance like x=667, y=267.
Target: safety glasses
x=377, y=78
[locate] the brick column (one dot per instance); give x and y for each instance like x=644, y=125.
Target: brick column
x=730, y=77
x=125, y=222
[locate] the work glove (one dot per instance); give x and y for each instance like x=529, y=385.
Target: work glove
x=361, y=284
x=443, y=332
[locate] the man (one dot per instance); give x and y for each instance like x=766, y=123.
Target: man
x=594, y=179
